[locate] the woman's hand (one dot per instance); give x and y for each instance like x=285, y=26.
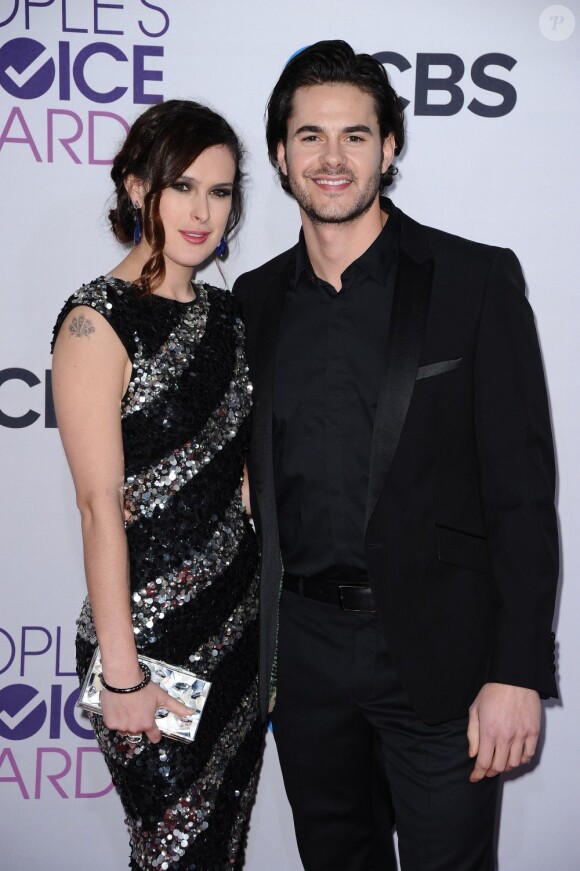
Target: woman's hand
x=134, y=713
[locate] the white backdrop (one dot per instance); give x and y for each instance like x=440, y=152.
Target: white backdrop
x=506, y=173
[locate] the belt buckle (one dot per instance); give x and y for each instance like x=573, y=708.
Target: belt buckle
x=344, y=606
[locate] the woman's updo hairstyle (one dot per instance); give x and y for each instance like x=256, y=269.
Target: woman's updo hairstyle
x=159, y=147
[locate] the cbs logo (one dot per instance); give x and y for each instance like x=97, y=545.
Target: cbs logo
x=15, y=411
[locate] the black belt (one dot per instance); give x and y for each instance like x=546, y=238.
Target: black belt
x=348, y=597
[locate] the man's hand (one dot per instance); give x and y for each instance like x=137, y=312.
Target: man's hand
x=503, y=729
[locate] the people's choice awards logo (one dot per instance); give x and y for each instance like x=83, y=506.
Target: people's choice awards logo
x=34, y=709
x=76, y=54
x=26, y=68
x=557, y=23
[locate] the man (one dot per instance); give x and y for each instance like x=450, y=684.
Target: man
x=402, y=462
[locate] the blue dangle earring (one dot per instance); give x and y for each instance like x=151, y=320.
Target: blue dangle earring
x=222, y=249
x=137, y=234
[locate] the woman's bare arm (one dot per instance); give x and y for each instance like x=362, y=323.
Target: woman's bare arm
x=90, y=375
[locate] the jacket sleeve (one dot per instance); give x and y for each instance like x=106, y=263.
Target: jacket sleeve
x=517, y=474
x=238, y=290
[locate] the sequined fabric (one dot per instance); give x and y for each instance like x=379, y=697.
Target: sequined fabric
x=194, y=570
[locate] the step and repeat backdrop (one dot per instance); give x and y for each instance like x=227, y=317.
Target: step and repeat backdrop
x=493, y=126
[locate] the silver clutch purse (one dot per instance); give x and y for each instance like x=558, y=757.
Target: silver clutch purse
x=180, y=684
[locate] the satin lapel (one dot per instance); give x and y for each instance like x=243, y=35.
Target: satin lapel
x=408, y=316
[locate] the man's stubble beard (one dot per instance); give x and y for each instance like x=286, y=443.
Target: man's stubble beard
x=362, y=204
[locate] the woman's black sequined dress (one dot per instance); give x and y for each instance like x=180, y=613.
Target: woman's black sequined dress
x=194, y=570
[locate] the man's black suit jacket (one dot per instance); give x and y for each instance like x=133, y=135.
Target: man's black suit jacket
x=461, y=534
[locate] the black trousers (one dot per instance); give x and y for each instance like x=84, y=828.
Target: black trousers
x=343, y=724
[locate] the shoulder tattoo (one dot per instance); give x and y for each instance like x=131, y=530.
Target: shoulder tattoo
x=80, y=327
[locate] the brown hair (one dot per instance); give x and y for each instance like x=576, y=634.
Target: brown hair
x=159, y=147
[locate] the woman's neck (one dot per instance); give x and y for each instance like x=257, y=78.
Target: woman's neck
x=176, y=282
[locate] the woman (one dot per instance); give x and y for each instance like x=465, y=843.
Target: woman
x=153, y=402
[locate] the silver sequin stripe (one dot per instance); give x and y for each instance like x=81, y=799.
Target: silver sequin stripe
x=148, y=377
x=207, y=658
x=151, y=490
x=203, y=662
x=191, y=815
x=181, y=584
x=96, y=293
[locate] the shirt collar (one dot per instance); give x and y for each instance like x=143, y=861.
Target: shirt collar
x=376, y=260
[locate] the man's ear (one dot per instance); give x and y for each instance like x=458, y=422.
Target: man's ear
x=388, y=152
x=135, y=188
x=281, y=157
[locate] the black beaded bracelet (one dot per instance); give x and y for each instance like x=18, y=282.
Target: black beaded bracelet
x=146, y=679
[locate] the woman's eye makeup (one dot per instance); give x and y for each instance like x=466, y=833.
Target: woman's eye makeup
x=185, y=187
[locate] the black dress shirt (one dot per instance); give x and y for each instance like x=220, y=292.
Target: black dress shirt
x=330, y=355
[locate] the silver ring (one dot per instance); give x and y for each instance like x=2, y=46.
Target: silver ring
x=134, y=739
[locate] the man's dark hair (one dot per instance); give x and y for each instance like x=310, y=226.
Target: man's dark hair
x=333, y=61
